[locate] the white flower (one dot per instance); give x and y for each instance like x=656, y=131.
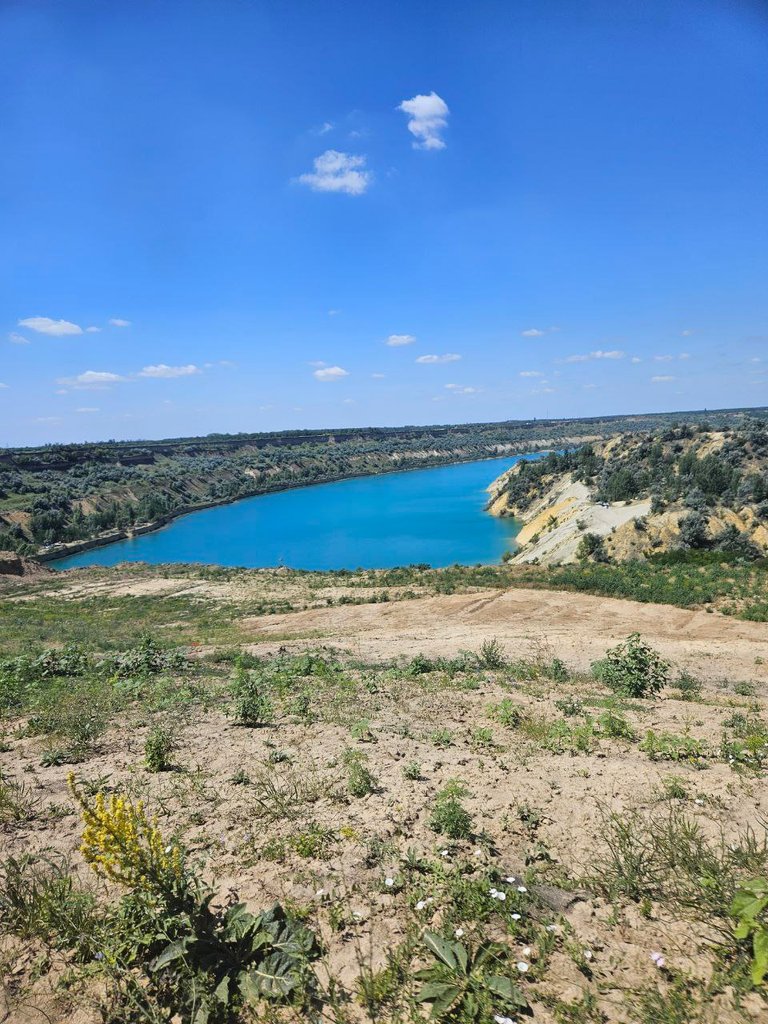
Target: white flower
x=521, y=888
x=510, y=879
x=502, y=1020
x=478, y=853
x=522, y=966
x=699, y=802
x=459, y=932
x=551, y=927
x=588, y=954
x=421, y=904
x=319, y=893
x=527, y=952
x=443, y=853
x=658, y=959
x=516, y=917
x=389, y=882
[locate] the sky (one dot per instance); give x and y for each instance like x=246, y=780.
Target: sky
x=233, y=215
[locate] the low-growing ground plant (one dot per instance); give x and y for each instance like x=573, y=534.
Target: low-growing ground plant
x=633, y=669
x=506, y=712
x=159, y=745
x=667, y=746
x=251, y=698
x=750, y=910
x=412, y=771
x=491, y=654
x=449, y=817
x=360, y=779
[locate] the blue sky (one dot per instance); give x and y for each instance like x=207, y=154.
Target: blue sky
x=238, y=215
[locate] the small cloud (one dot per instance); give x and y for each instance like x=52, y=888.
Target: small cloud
x=48, y=419
x=92, y=330
x=530, y=373
x=117, y=322
x=543, y=391
x=589, y=387
x=167, y=372
x=428, y=117
x=316, y=362
x=378, y=376
x=338, y=172
x=662, y=379
x=87, y=409
x=663, y=359
x=333, y=312
x=91, y=380
x=686, y=333
x=684, y=355
x=459, y=389
x=330, y=373
x=449, y=357
x=597, y=354
x=325, y=127
x=349, y=401
x=396, y=340
x=636, y=359
x=533, y=332
x=45, y=325
x=17, y=339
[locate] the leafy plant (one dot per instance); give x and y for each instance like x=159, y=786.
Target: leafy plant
x=491, y=654
x=750, y=908
x=468, y=985
x=360, y=779
x=412, y=771
x=449, y=816
x=158, y=747
x=251, y=704
x=633, y=668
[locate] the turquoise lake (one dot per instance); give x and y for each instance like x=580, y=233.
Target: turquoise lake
x=436, y=516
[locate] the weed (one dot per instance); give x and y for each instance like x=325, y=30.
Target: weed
x=449, y=817
x=412, y=771
x=441, y=738
x=669, y=747
x=506, y=713
x=360, y=780
x=491, y=654
x=158, y=747
x=633, y=668
x=251, y=703
x=570, y=706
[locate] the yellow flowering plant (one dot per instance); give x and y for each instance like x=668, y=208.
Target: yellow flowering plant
x=122, y=843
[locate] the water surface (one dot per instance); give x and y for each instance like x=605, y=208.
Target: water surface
x=436, y=516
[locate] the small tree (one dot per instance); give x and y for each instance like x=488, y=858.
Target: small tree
x=634, y=669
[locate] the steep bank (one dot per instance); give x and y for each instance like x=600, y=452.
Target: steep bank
x=631, y=497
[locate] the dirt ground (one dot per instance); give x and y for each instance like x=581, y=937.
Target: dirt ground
x=578, y=626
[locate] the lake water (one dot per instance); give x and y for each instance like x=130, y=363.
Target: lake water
x=436, y=516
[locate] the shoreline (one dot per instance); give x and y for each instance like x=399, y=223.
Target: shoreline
x=115, y=536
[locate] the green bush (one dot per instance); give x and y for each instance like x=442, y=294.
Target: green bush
x=158, y=747
x=251, y=700
x=449, y=817
x=633, y=669
x=360, y=780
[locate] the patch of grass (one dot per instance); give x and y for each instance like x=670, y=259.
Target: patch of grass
x=449, y=817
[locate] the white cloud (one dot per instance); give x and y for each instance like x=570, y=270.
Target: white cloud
x=91, y=380
x=663, y=359
x=45, y=325
x=325, y=127
x=597, y=354
x=684, y=355
x=530, y=373
x=662, y=379
x=333, y=312
x=330, y=373
x=449, y=357
x=87, y=409
x=378, y=376
x=117, y=322
x=316, y=362
x=636, y=359
x=163, y=371
x=686, y=333
x=396, y=340
x=92, y=330
x=48, y=419
x=459, y=389
x=17, y=339
x=338, y=172
x=428, y=116
x=533, y=332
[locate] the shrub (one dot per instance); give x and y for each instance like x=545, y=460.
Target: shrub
x=412, y=771
x=360, y=780
x=158, y=747
x=449, y=817
x=591, y=546
x=251, y=703
x=491, y=654
x=633, y=668
x=506, y=712
x=750, y=908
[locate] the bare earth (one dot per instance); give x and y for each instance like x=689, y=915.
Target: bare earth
x=579, y=628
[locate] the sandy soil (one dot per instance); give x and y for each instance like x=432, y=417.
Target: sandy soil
x=578, y=626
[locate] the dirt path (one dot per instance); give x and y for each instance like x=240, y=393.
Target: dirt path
x=577, y=627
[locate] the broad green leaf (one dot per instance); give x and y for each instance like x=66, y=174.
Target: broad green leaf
x=275, y=976
x=760, y=952
x=507, y=990
x=221, y=992
x=174, y=951
x=443, y=950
